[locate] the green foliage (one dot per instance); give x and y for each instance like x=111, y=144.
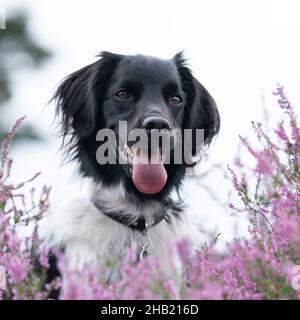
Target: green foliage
x=18, y=50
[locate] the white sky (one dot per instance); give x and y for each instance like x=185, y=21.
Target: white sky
x=238, y=49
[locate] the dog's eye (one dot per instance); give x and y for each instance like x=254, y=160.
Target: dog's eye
x=123, y=95
x=175, y=99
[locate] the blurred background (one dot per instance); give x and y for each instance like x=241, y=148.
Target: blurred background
x=238, y=49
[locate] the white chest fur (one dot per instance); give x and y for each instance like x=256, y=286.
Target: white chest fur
x=90, y=237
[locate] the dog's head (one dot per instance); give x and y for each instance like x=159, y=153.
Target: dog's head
x=148, y=94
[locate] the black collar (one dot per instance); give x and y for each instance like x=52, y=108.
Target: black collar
x=136, y=223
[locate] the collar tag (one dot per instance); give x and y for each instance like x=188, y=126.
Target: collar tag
x=143, y=244
x=143, y=252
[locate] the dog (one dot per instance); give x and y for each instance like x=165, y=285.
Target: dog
x=128, y=203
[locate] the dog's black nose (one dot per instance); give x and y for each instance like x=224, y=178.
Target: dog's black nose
x=156, y=123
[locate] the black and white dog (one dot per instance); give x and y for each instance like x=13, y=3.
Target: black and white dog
x=127, y=203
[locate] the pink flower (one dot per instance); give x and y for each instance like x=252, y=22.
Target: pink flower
x=258, y=267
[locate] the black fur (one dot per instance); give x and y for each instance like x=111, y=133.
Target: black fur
x=52, y=274
x=86, y=103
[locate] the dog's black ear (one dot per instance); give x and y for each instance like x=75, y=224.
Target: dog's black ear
x=201, y=110
x=78, y=97
x=204, y=113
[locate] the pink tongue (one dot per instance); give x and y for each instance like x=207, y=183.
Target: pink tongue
x=149, y=175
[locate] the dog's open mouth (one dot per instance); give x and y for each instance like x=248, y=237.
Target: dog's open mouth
x=148, y=172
